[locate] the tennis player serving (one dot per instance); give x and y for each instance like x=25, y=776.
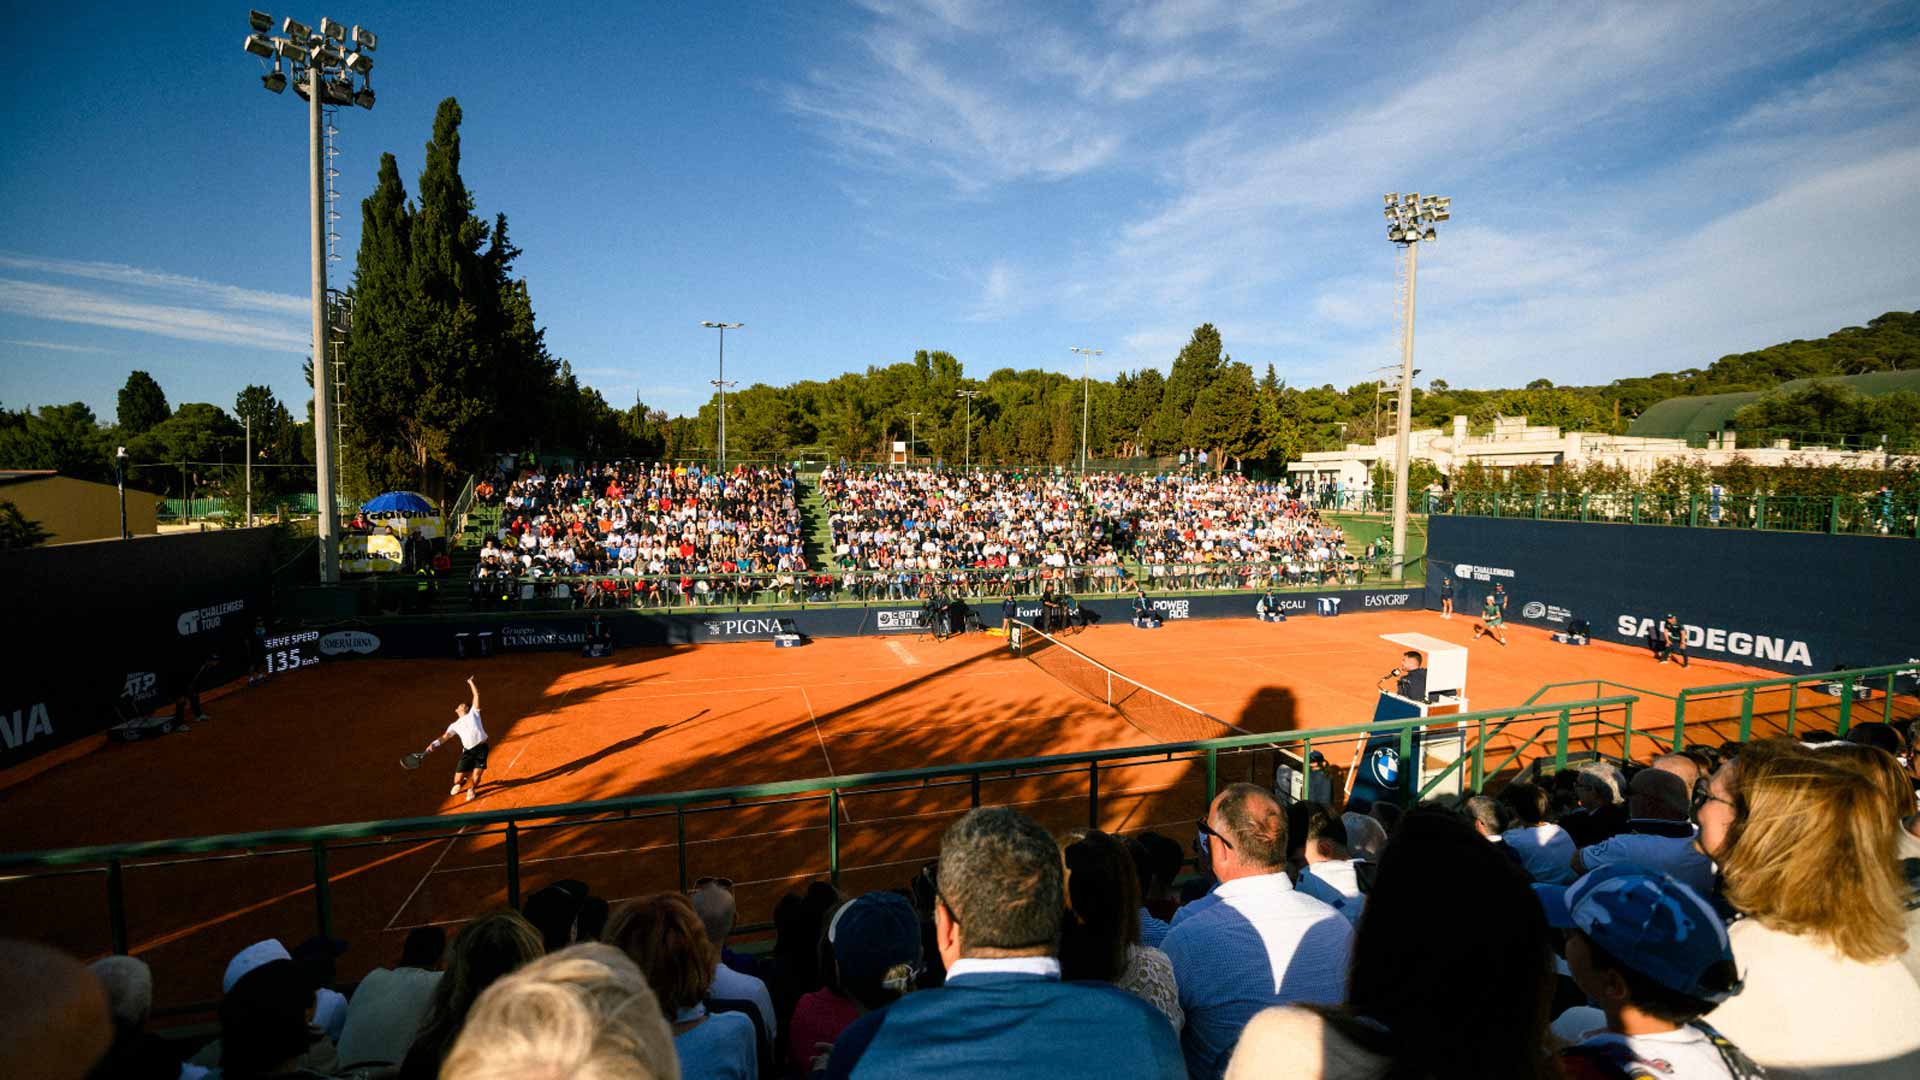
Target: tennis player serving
x=473, y=742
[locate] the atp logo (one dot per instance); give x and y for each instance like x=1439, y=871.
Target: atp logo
x=1385, y=763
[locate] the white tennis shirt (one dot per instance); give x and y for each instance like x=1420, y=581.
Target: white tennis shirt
x=468, y=730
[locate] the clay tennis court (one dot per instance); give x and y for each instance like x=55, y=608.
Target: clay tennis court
x=320, y=746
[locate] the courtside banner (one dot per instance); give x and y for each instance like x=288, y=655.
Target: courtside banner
x=1799, y=603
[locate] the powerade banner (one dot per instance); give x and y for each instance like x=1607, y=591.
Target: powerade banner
x=1800, y=603
x=1379, y=773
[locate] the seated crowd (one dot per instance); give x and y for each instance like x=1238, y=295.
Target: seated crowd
x=1742, y=913
x=651, y=534
x=900, y=532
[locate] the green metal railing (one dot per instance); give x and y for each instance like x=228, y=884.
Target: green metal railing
x=1868, y=515
x=1781, y=704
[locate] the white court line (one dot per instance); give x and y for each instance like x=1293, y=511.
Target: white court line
x=815, y=721
x=905, y=654
x=431, y=870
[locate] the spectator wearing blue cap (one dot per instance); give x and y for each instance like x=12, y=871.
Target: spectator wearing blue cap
x=1654, y=958
x=875, y=941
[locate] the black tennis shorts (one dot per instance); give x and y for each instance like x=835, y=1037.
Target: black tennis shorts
x=475, y=758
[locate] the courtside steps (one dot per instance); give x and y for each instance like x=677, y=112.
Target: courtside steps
x=816, y=530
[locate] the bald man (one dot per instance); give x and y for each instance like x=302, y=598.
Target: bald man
x=713, y=901
x=1658, y=836
x=1258, y=942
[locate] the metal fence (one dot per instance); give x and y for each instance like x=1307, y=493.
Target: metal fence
x=1870, y=515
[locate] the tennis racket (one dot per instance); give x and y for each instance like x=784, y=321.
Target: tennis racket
x=412, y=761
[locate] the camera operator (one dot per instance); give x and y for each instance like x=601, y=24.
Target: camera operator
x=1409, y=680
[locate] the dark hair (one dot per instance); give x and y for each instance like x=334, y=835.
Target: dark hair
x=1471, y=1002
x=1000, y=878
x=1527, y=802
x=1387, y=814
x=1877, y=735
x=424, y=947
x=1102, y=919
x=487, y=948
x=1310, y=821
x=1164, y=860
x=592, y=920
x=263, y=1019
x=1255, y=824
x=1654, y=999
x=553, y=911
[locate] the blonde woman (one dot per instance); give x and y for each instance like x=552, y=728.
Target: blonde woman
x=1806, y=854
x=584, y=1012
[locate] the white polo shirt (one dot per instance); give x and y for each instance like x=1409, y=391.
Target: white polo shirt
x=468, y=730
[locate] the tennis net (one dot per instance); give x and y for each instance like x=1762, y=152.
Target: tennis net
x=1159, y=716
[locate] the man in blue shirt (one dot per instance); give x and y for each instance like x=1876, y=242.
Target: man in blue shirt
x=1254, y=942
x=1004, y=1012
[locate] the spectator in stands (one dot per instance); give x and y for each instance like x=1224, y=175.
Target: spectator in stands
x=1156, y=863
x=1467, y=1003
x=317, y=957
x=58, y=1023
x=1100, y=932
x=1323, y=866
x=1544, y=848
x=1366, y=839
x=1807, y=856
x=585, y=1011
x=663, y=935
x=1597, y=788
x=713, y=902
x=1004, y=1010
x=136, y=1053
x=1896, y=790
x=1653, y=955
x=486, y=949
x=1658, y=835
x=263, y=1026
x=318, y=1051
x=799, y=924
x=554, y=910
x=875, y=944
x=1260, y=943
x=390, y=1003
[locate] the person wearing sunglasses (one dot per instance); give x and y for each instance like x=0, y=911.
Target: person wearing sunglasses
x=1004, y=1010
x=1258, y=943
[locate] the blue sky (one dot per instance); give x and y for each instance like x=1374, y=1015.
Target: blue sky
x=1636, y=187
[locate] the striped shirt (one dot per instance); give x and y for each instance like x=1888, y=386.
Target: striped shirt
x=1259, y=944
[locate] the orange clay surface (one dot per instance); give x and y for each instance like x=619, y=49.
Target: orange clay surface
x=321, y=745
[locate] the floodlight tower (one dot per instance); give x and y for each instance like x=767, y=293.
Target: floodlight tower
x=326, y=75
x=969, y=395
x=1410, y=220
x=722, y=382
x=1086, y=398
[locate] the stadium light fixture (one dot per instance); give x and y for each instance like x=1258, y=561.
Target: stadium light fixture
x=324, y=76
x=969, y=395
x=364, y=39
x=722, y=382
x=1086, y=398
x=1409, y=224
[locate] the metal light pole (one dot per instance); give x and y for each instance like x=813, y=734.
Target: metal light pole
x=120, y=481
x=969, y=395
x=249, y=472
x=722, y=382
x=913, y=436
x=1409, y=221
x=1086, y=398
x=324, y=74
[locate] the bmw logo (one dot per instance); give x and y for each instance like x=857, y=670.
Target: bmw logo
x=1385, y=763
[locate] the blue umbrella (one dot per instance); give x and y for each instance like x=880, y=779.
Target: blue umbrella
x=398, y=502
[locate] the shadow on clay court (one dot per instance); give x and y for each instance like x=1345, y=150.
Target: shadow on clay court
x=588, y=760
x=1272, y=708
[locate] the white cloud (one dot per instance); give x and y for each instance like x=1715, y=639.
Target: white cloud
x=229, y=296
x=59, y=303
x=52, y=346
x=1889, y=78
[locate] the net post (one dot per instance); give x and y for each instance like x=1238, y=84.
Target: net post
x=117, y=906
x=513, y=865
x=322, y=890
x=1093, y=794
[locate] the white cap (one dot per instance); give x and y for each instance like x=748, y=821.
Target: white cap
x=255, y=955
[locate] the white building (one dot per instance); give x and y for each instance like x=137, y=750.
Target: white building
x=1514, y=442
